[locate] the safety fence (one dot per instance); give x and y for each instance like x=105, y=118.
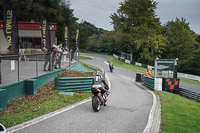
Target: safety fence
x=71, y=84
x=183, y=75
x=190, y=94
x=149, y=82
x=15, y=68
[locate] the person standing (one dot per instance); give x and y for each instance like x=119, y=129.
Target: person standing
x=148, y=73
x=60, y=50
x=47, y=59
x=54, y=54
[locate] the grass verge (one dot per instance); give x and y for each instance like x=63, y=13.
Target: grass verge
x=84, y=64
x=179, y=114
x=46, y=100
x=143, y=70
x=85, y=58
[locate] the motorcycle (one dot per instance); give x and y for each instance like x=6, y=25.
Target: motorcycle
x=111, y=68
x=98, y=98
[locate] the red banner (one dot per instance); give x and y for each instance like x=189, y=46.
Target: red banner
x=31, y=26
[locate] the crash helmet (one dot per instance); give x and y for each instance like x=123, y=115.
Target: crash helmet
x=98, y=73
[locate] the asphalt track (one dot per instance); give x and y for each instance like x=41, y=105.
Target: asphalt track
x=128, y=109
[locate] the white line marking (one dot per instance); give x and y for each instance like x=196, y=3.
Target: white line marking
x=151, y=114
x=44, y=117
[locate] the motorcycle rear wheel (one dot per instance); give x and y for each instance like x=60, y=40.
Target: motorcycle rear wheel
x=96, y=104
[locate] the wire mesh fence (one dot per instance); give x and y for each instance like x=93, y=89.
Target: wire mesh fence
x=126, y=56
x=14, y=68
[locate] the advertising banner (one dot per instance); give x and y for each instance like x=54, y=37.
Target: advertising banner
x=77, y=39
x=66, y=36
x=10, y=28
x=45, y=36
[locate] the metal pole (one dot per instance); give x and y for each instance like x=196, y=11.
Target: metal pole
x=36, y=64
x=69, y=57
x=18, y=65
x=0, y=69
x=50, y=61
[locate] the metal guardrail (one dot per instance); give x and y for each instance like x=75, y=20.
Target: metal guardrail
x=71, y=84
x=190, y=94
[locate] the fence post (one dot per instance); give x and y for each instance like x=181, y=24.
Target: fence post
x=36, y=64
x=18, y=65
x=0, y=69
x=197, y=99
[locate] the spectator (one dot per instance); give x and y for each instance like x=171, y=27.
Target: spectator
x=148, y=73
x=47, y=59
x=60, y=51
x=54, y=52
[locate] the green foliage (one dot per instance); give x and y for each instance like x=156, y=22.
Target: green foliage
x=87, y=30
x=193, y=66
x=181, y=42
x=55, y=11
x=143, y=33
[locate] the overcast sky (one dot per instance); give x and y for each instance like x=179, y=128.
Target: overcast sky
x=98, y=12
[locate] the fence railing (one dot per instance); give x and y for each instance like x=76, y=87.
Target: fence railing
x=190, y=94
x=183, y=75
x=149, y=82
x=14, y=68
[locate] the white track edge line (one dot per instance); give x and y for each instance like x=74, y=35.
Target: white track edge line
x=44, y=117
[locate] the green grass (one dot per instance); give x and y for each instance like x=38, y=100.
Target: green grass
x=179, y=114
x=85, y=58
x=46, y=100
x=98, y=69
x=141, y=69
x=126, y=66
x=189, y=81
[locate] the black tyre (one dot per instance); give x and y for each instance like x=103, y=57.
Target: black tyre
x=96, y=104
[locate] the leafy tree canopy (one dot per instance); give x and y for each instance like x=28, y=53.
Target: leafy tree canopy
x=137, y=19
x=181, y=41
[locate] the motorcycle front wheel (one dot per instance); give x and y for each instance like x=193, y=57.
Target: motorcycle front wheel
x=96, y=103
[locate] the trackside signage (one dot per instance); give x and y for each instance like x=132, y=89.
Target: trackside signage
x=77, y=39
x=30, y=26
x=66, y=36
x=45, y=38
x=10, y=28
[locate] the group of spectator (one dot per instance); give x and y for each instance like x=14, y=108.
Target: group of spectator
x=56, y=53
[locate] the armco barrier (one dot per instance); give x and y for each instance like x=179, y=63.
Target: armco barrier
x=183, y=75
x=190, y=94
x=70, y=84
x=149, y=82
x=13, y=91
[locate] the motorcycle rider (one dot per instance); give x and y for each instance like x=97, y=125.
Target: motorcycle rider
x=111, y=66
x=100, y=80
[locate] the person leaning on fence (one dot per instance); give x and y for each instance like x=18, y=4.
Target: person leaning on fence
x=54, y=52
x=60, y=51
x=148, y=73
x=47, y=59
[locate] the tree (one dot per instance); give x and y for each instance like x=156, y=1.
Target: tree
x=137, y=19
x=181, y=42
x=54, y=10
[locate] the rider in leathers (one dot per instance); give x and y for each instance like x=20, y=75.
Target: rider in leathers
x=100, y=80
